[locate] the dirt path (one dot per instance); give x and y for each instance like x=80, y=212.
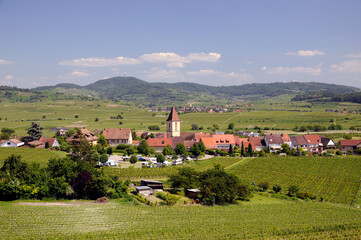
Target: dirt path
x=242, y=162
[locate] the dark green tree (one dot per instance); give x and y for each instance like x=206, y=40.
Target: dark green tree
x=250, y=150
x=160, y=158
x=230, y=149
x=167, y=150
x=143, y=147
x=195, y=150
x=231, y=126
x=133, y=159
x=102, y=141
x=180, y=149
x=186, y=178
x=35, y=131
x=202, y=147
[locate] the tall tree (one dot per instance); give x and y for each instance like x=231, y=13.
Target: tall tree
x=180, y=149
x=143, y=147
x=35, y=130
x=250, y=150
x=202, y=146
x=242, y=149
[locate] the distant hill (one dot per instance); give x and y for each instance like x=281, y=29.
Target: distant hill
x=142, y=92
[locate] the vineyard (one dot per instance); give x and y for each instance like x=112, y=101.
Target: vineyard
x=258, y=219
x=336, y=179
x=30, y=155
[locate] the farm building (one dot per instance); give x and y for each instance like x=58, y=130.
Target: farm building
x=116, y=136
x=152, y=184
x=144, y=190
x=193, y=193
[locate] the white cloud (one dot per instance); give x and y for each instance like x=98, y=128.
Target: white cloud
x=3, y=61
x=354, y=55
x=292, y=70
x=9, y=77
x=99, y=62
x=352, y=66
x=305, y=53
x=204, y=57
x=169, y=58
x=77, y=73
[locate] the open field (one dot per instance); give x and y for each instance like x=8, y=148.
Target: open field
x=336, y=179
x=279, y=115
x=30, y=155
x=260, y=218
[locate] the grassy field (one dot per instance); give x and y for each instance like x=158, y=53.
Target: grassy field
x=260, y=218
x=280, y=115
x=30, y=155
x=336, y=179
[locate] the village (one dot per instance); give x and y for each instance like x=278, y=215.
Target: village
x=218, y=143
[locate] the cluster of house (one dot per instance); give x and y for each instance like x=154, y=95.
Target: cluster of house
x=337, y=111
x=311, y=143
x=41, y=143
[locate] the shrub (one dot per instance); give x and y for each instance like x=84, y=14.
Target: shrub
x=264, y=185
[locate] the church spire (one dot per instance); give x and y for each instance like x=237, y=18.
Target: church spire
x=173, y=116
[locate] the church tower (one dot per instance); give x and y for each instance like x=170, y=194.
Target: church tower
x=173, y=124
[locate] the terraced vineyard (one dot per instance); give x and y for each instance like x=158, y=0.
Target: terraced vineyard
x=261, y=218
x=202, y=165
x=336, y=179
x=29, y=155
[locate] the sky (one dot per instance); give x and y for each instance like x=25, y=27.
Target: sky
x=209, y=42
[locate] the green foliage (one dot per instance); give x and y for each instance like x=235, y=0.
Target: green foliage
x=103, y=158
x=231, y=126
x=169, y=199
x=276, y=188
x=133, y=159
x=195, y=150
x=220, y=187
x=154, y=127
x=8, y=131
x=160, y=158
x=35, y=131
x=264, y=185
x=143, y=147
x=202, y=147
x=180, y=149
x=102, y=141
x=194, y=126
x=292, y=190
x=186, y=178
x=167, y=150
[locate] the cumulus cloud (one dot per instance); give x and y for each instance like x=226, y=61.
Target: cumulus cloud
x=352, y=66
x=292, y=70
x=204, y=57
x=99, y=62
x=305, y=53
x=76, y=73
x=354, y=55
x=169, y=58
x=3, y=62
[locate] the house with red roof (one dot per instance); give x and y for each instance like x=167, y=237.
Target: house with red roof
x=257, y=142
x=159, y=143
x=314, y=144
x=116, y=136
x=349, y=145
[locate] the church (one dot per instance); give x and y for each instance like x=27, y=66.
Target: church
x=174, y=136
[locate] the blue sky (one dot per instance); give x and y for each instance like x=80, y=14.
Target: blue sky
x=229, y=42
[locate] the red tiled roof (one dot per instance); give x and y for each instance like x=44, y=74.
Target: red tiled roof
x=173, y=116
x=256, y=141
x=209, y=142
x=298, y=140
x=313, y=139
x=36, y=143
x=286, y=138
x=224, y=139
x=159, y=142
x=349, y=143
x=49, y=140
x=89, y=136
x=117, y=133
x=274, y=139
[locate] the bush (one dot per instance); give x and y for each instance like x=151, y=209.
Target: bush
x=292, y=190
x=277, y=188
x=264, y=185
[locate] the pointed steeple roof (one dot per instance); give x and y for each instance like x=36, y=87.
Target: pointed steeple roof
x=173, y=116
